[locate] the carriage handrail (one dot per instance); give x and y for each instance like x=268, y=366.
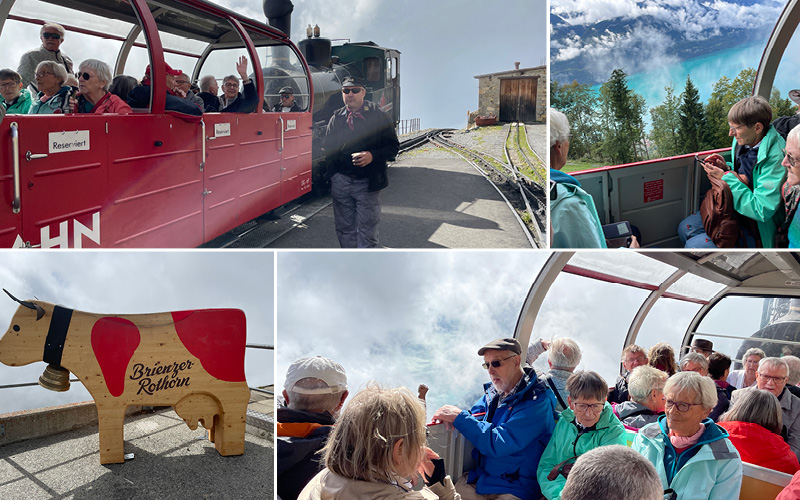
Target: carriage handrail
x=16, y=204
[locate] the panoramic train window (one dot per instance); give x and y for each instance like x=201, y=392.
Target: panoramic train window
x=738, y=323
x=666, y=322
x=372, y=68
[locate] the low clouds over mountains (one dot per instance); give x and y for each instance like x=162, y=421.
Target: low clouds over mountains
x=590, y=38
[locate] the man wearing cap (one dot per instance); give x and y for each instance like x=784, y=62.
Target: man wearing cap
x=139, y=96
x=359, y=140
x=509, y=426
x=52, y=36
x=286, y=104
x=314, y=392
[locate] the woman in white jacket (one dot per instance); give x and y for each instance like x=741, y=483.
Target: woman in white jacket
x=377, y=451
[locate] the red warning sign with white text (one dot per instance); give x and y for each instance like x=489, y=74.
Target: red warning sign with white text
x=654, y=190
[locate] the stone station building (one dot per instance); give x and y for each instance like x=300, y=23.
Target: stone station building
x=519, y=95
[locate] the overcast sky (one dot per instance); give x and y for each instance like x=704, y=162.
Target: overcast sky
x=137, y=282
x=405, y=318
x=444, y=44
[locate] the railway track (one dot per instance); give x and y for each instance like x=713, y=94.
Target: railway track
x=527, y=200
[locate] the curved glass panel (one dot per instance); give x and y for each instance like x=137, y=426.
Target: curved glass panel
x=628, y=265
x=695, y=287
x=666, y=322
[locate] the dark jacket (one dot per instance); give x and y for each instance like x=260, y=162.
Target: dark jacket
x=375, y=133
x=245, y=103
x=619, y=394
x=139, y=97
x=723, y=400
x=301, y=434
x=277, y=108
x=509, y=437
x=210, y=102
x=635, y=415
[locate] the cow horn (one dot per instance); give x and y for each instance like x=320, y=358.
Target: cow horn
x=29, y=305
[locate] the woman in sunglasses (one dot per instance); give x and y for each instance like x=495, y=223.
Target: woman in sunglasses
x=94, y=77
x=377, y=451
x=588, y=423
x=693, y=456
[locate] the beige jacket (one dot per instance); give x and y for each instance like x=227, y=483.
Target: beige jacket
x=329, y=486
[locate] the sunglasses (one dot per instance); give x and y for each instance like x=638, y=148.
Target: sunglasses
x=788, y=157
x=355, y=91
x=51, y=36
x=284, y=96
x=84, y=75
x=496, y=363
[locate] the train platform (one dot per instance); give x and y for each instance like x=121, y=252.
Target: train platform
x=434, y=200
x=169, y=460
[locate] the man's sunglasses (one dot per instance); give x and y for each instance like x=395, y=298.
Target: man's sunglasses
x=355, y=91
x=496, y=363
x=85, y=76
x=54, y=36
x=285, y=95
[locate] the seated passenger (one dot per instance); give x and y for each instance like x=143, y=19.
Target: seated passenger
x=695, y=362
x=702, y=346
x=754, y=425
x=232, y=101
x=587, y=424
x=509, y=426
x=564, y=356
x=632, y=356
x=756, y=153
x=662, y=356
x=139, y=97
x=2, y=113
x=612, y=472
x=183, y=85
x=53, y=95
x=747, y=377
x=573, y=216
x=377, y=450
x=791, y=191
x=94, y=97
x=718, y=368
x=208, y=93
x=16, y=100
x=692, y=455
x=646, y=388
x=286, y=104
x=772, y=375
x=52, y=36
x=122, y=85
x=793, y=362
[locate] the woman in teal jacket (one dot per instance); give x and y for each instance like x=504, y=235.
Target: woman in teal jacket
x=693, y=456
x=589, y=422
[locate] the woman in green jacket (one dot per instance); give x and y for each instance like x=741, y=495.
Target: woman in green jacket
x=589, y=422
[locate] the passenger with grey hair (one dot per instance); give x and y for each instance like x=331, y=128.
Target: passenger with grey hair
x=314, y=392
x=632, y=356
x=208, y=93
x=588, y=423
x=747, y=377
x=94, y=79
x=788, y=233
x=52, y=36
x=754, y=426
x=613, y=472
x=646, y=388
x=694, y=362
x=183, y=89
x=692, y=455
x=793, y=362
x=54, y=95
x=772, y=375
x=564, y=356
x=573, y=215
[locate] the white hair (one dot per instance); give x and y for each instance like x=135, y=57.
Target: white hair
x=703, y=387
x=612, y=472
x=559, y=126
x=643, y=380
x=564, y=353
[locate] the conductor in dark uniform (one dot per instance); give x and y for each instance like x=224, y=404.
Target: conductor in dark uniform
x=287, y=103
x=359, y=140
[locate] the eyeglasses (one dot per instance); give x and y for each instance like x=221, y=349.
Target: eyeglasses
x=51, y=36
x=776, y=380
x=355, y=91
x=583, y=407
x=791, y=160
x=285, y=96
x=42, y=74
x=181, y=82
x=232, y=85
x=9, y=85
x=496, y=363
x=84, y=75
x=735, y=128
x=682, y=407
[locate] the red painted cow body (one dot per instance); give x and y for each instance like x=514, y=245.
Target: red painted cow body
x=191, y=360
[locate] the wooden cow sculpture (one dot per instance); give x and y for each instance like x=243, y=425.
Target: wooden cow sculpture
x=190, y=360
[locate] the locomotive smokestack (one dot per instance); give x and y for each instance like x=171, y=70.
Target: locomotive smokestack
x=279, y=14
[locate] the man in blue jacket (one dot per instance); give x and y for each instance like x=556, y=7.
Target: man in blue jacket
x=509, y=426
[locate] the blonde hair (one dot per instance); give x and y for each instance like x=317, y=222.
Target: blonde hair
x=361, y=443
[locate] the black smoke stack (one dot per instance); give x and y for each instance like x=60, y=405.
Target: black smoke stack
x=279, y=14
